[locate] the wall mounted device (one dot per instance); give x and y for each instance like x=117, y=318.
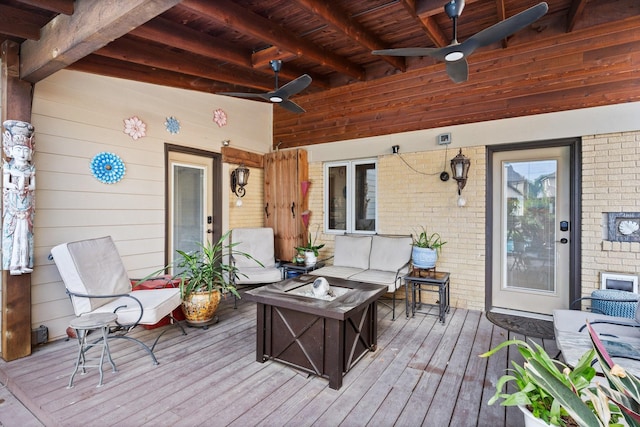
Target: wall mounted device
x=444, y=139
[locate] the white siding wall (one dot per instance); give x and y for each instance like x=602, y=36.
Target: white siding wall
x=78, y=115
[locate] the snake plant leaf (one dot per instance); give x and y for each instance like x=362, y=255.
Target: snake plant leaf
x=574, y=406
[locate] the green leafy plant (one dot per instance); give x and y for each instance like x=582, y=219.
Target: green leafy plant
x=556, y=393
x=624, y=388
x=310, y=245
x=429, y=241
x=205, y=269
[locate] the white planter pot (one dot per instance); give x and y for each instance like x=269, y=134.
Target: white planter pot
x=310, y=258
x=530, y=420
x=424, y=257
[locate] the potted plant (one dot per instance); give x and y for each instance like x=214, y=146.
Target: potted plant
x=426, y=248
x=204, y=278
x=551, y=393
x=310, y=250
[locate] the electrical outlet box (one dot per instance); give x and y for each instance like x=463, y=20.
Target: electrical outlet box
x=40, y=335
x=444, y=139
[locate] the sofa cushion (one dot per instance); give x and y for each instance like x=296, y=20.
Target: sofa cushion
x=157, y=304
x=257, y=242
x=352, y=251
x=255, y=275
x=378, y=277
x=336, y=271
x=91, y=267
x=390, y=253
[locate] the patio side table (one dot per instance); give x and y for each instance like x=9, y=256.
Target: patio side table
x=82, y=326
x=299, y=268
x=431, y=281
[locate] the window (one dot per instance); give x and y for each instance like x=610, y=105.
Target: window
x=350, y=196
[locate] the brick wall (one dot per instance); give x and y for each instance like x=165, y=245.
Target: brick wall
x=251, y=213
x=610, y=183
x=411, y=195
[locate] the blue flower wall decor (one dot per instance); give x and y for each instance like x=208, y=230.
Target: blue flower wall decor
x=107, y=167
x=172, y=124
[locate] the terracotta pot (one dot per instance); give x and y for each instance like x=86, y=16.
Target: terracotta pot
x=200, y=307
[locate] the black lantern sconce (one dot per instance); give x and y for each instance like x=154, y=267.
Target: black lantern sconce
x=460, y=169
x=239, y=178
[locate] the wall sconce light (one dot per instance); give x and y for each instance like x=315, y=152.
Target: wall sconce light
x=460, y=169
x=226, y=142
x=239, y=178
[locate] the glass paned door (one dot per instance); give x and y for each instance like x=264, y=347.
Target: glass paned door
x=191, y=203
x=530, y=241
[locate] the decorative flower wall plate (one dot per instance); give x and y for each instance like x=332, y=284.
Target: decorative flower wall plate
x=135, y=128
x=220, y=117
x=172, y=125
x=108, y=168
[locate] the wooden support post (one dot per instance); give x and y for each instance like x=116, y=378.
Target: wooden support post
x=17, y=97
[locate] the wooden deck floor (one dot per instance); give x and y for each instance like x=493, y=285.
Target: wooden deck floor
x=423, y=373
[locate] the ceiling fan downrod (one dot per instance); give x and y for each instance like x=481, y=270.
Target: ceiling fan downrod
x=276, y=65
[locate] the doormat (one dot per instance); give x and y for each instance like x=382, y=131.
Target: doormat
x=526, y=326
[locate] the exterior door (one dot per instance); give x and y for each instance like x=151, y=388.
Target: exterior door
x=190, y=214
x=531, y=204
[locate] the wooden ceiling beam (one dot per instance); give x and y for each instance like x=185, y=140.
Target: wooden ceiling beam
x=575, y=12
x=243, y=21
x=126, y=49
x=58, y=6
x=65, y=39
x=18, y=23
x=104, y=66
x=339, y=20
x=427, y=21
x=185, y=38
x=200, y=43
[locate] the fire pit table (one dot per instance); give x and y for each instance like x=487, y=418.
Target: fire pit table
x=325, y=337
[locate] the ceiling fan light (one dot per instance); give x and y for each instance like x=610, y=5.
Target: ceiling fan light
x=456, y=55
x=276, y=99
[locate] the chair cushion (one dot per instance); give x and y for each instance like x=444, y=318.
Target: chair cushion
x=390, y=253
x=352, y=251
x=157, y=304
x=378, y=277
x=336, y=271
x=255, y=275
x=91, y=267
x=257, y=242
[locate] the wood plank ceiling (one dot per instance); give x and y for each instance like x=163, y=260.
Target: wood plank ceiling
x=582, y=53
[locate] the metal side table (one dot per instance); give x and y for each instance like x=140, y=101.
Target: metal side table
x=82, y=325
x=431, y=281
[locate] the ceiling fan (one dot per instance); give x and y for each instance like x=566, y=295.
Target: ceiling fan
x=455, y=54
x=281, y=95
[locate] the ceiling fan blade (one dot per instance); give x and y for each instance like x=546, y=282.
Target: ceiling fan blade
x=291, y=106
x=458, y=71
x=243, y=94
x=503, y=29
x=293, y=87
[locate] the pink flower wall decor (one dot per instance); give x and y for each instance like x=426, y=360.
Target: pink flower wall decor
x=135, y=128
x=220, y=117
